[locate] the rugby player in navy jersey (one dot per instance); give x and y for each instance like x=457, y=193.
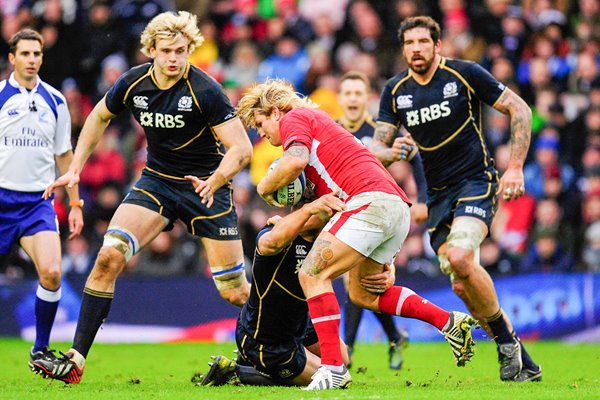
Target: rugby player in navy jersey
x=186, y=117
x=274, y=334
x=439, y=102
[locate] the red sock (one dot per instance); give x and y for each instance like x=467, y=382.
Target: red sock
x=325, y=315
x=402, y=301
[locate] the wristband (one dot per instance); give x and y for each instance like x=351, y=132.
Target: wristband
x=76, y=203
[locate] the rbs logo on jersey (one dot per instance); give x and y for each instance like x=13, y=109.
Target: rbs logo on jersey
x=159, y=120
x=427, y=114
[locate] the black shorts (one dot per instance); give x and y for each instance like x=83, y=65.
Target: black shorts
x=472, y=197
x=175, y=199
x=282, y=361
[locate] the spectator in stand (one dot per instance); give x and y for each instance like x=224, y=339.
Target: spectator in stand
x=56, y=51
x=546, y=254
x=243, y=67
x=514, y=219
x=585, y=131
x=545, y=163
x=495, y=260
x=413, y=259
x=549, y=216
x=542, y=48
x=290, y=62
x=79, y=104
x=78, y=258
x=96, y=174
x=167, y=255
x=584, y=73
x=591, y=248
x=111, y=69
x=103, y=36
x=294, y=21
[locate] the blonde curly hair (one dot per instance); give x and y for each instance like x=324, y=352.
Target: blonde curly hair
x=169, y=25
x=264, y=97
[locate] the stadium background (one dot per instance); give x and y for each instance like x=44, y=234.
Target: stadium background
x=544, y=249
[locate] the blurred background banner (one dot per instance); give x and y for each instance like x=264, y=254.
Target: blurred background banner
x=541, y=306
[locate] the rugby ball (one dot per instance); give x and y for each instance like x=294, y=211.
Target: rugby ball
x=292, y=193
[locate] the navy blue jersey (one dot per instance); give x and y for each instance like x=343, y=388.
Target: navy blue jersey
x=178, y=121
x=363, y=129
x=444, y=117
x=276, y=311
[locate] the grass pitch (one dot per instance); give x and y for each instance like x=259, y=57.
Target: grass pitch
x=165, y=371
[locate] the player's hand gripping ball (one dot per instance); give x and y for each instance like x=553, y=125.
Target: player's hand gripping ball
x=292, y=193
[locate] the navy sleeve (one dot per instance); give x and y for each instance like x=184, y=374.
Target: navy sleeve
x=486, y=87
x=419, y=176
x=116, y=95
x=386, y=107
x=215, y=105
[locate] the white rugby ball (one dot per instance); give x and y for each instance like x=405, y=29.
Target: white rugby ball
x=292, y=193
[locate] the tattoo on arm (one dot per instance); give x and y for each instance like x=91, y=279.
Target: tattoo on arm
x=385, y=133
x=520, y=123
x=299, y=151
x=318, y=258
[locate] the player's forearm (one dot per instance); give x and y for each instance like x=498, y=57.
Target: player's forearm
x=289, y=168
x=284, y=232
x=92, y=131
x=520, y=126
x=520, y=136
x=419, y=176
x=383, y=138
x=63, y=162
x=236, y=158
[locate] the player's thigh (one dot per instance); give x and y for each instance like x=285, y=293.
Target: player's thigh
x=44, y=249
x=144, y=224
x=330, y=258
x=223, y=252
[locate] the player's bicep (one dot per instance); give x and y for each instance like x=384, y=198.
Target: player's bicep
x=510, y=103
x=299, y=151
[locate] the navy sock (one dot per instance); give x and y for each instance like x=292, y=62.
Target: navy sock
x=251, y=376
x=527, y=360
x=387, y=323
x=352, y=315
x=498, y=326
x=94, y=310
x=46, y=304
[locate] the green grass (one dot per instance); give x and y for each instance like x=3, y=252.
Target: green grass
x=147, y=371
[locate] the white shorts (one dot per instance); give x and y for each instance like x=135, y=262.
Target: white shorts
x=374, y=223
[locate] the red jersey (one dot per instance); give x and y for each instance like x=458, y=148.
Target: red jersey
x=337, y=161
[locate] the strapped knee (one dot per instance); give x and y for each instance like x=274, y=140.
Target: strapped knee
x=465, y=234
x=228, y=277
x=121, y=240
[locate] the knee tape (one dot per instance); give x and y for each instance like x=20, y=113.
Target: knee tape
x=228, y=277
x=122, y=240
x=445, y=266
x=466, y=234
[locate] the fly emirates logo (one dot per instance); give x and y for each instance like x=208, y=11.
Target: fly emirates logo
x=158, y=120
x=427, y=114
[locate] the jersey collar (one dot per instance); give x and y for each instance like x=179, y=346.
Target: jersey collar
x=351, y=126
x=13, y=82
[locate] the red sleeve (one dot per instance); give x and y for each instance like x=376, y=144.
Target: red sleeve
x=296, y=127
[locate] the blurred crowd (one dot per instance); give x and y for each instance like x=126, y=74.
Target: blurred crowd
x=548, y=51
